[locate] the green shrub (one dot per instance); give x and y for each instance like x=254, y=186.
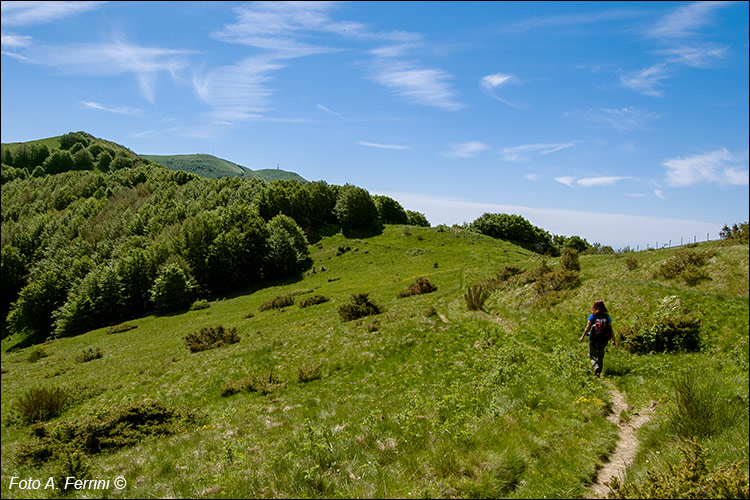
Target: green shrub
x=262, y=384
x=670, y=328
x=89, y=354
x=308, y=373
x=37, y=354
x=701, y=408
x=569, y=259
x=693, y=477
x=475, y=296
x=105, y=431
x=422, y=285
x=556, y=281
x=314, y=300
x=125, y=327
x=277, y=302
x=200, y=304
x=631, y=263
x=41, y=403
x=686, y=266
x=359, y=307
x=210, y=338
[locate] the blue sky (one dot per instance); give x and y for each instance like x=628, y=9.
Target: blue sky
x=622, y=122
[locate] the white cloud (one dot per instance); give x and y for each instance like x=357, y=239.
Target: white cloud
x=694, y=55
x=659, y=194
x=646, y=80
x=240, y=91
x=109, y=59
x=122, y=110
x=381, y=146
x=715, y=167
x=685, y=21
x=13, y=41
x=622, y=119
x=27, y=13
x=525, y=151
x=599, y=181
x=424, y=86
x=617, y=230
x=490, y=83
x=320, y=106
x=567, y=180
x=466, y=149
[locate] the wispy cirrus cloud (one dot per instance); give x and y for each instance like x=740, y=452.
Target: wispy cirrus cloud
x=419, y=85
x=121, y=110
x=465, y=149
x=381, y=146
x=240, y=91
x=622, y=119
x=685, y=21
x=327, y=110
x=13, y=41
x=526, y=151
x=715, y=167
x=646, y=81
x=571, y=181
x=490, y=83
x=28, y=13
x=109, y=59
x=677, y=32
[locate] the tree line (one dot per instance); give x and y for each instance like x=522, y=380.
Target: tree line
x=90, y=247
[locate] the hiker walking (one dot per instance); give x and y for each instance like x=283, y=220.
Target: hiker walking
x=599, y=330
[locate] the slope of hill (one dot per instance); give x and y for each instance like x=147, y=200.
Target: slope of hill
x=210, y=166
x=426, y=398
x=203, y=165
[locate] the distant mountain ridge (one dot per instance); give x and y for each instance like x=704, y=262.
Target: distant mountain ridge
x=211, y=166
x=204, y=165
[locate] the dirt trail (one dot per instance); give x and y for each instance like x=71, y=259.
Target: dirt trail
x=627, y=443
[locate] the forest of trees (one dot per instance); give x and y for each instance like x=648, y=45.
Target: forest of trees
x=93, y=234
x=112, y=236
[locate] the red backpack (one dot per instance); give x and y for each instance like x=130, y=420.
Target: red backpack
x=601, y=329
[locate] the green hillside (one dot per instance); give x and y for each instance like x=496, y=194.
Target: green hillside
x=203, y=165
x=426, y=398
x=216, y=168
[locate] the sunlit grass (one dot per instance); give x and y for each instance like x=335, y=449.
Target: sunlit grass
x=425, y=399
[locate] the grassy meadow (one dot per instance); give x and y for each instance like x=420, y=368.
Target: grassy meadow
x=425, y=399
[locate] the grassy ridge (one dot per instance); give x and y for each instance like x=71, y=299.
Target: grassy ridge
x=425, y=399
x=210, y=166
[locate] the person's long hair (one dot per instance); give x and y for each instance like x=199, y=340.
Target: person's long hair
x=599, y=308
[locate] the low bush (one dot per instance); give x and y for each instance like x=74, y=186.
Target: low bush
x=200, y=304
x=569, y=259
x=308, y=373
x=475, y=296
x=277, y=302
x=686, y=266
x=422, y=285
x=125, y=327
x=701, y=407
x=106, y=431
x=314, y=300
x=556, y=281
x=262, y=384
x=210, y=338
x=36, y=354
x=39, y=404
x=631, y=263
x=671, y=327
x=89, y=354
x=693, y=477
x=359, y=307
